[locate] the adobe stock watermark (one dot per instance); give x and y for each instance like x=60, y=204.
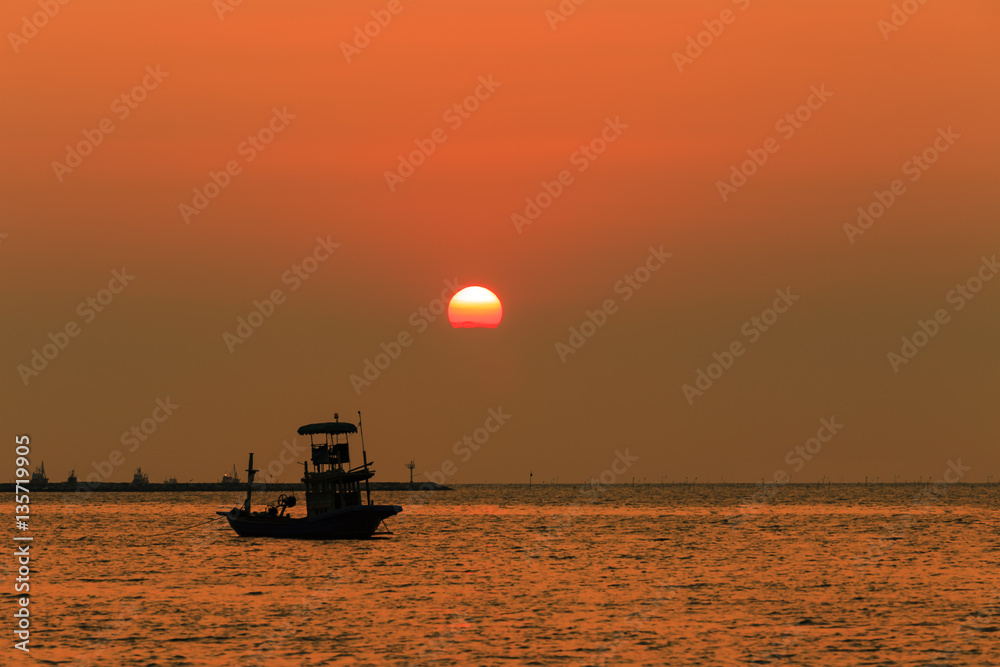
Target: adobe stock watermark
x=121, y=107
x=627, y=286
x=31, y=24
x=646, y=608
x=88, y=309
x=282, y=635
x=957, y=297
x=967, y=633
x=420, y=320
x=562, y=12
x=928, y=495
x=590, y=493
x=581, y=158
x=752, y=329
x=900, y=14
x=623, y=461
x=786, y=126
x=288, y=454
x=446, y=642
x=112, y=631
x=294, y=277
x=469, y=445
x=796, y=457
x=915, y=167
x=223, y=7
x=248, y=149
x=132, y=439
x=455, y=116
x=696, y=44
x=363, y=35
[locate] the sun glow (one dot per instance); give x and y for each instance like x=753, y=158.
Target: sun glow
x=475, y=307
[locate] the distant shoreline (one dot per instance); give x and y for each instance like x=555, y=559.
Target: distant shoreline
x=164, y=487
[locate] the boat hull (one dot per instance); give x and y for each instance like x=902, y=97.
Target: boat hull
x=348, y=523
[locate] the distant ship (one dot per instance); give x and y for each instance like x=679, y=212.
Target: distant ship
x=140, y=478
x=231, y=479
x=39, y=477
x=71, y=479
x=170, y=480
x=334, y=509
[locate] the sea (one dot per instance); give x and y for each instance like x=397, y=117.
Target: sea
x=673, y=574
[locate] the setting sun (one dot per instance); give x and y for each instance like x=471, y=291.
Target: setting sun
x=475, y=307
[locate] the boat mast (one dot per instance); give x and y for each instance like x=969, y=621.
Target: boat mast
x=364, y=456
x=250, y=474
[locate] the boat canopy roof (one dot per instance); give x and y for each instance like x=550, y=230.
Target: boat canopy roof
x=333, y=428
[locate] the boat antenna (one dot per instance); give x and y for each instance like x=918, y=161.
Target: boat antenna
x=364, y=456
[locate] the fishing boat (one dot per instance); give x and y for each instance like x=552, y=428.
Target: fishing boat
x=230, y=479
x=334, y=507
x=38, y=477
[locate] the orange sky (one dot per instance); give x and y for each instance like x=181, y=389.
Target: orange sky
x=669, y=137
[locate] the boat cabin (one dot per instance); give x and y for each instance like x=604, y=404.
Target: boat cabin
x=332, y=484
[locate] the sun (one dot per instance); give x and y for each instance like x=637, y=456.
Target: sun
x=474, y=307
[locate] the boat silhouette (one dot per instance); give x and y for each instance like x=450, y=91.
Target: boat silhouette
x=38, y=477
x=230, y=479
x=334, y=509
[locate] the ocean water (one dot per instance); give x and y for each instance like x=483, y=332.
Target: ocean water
x=506, y=575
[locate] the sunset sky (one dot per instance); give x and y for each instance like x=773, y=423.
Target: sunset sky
x=250, y=140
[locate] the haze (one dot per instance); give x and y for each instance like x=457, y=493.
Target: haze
x=596, y=182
